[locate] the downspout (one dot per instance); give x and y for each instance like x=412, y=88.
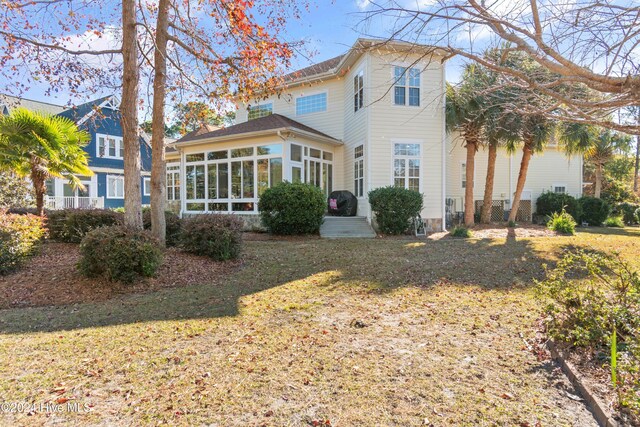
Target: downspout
x=444, y=148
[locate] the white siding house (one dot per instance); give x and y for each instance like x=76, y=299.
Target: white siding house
x=370, y=118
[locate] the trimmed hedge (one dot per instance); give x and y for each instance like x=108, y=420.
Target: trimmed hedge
x=394, y=208
x=214, y=235
x=628, y=212
x=594, y=211
x=71, y=225
x=119, y=253
x=292, y=208
x=20, y=236
x=172, y=225
x=549, y=203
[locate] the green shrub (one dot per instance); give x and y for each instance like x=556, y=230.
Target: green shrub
x=213, y=235
x=562, y=223
x=172, y=225
x=587, y=297
x=461, y=231
x=614, y=221
x=594, y=211
x=71, y=225
x=19, y=238
x=292, y=208
x=549, y=203
x=119, y=253
x=628, y=212
x=638, y=215
x=395, y=207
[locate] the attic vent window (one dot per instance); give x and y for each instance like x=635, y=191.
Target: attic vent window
x=258, y=111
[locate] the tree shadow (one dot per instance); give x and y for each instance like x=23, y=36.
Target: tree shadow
x=627, y=231
x=377, y=265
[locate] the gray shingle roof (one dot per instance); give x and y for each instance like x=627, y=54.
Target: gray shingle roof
x=270, y=122
x=315, y=69
x=12, y=102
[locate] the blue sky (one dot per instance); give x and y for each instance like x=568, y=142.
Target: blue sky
x=329, y=28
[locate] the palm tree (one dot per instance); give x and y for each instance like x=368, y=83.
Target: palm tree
x=41, y=147
x=465, y=113
x=535, y=131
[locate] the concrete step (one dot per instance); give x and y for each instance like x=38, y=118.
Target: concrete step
x=335, y=227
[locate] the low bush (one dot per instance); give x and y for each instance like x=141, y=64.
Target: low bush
x=213, y=235
x=19, y=238
x=594, y=211
x=292, y=208
x=119, y=253
x=628, y=212
x=461, y=231
x=562, y=223
x=614, y=221
x=588, y=297
x=395, y=207
x=22, y=211
x=172, y=225
x=549, y=203
x=71, y=225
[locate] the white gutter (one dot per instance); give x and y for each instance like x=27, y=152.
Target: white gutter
x=444, y=148
x=276, y=131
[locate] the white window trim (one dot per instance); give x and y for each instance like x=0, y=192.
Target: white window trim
x=464, y=162
x=355, y=180
x=303, y=95
x=146, y=185
x=420, y=142
x=361, y=70
x=119, y=144
x=560, y=184
x=118, y=177
x=407, y=65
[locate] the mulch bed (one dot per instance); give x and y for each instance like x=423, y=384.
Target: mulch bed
x=498, y=231
x=51, y=278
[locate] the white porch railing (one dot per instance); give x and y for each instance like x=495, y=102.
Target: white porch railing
x=71, y=202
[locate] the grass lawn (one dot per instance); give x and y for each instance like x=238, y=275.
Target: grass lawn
x=358, y=332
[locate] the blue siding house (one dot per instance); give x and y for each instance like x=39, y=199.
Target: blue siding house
x=101, y=119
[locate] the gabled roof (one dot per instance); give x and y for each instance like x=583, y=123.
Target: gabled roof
x=79, y=112
x=312, y=70
x=8, y=103
x=263, y=125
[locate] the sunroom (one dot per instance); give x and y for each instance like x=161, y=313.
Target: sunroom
x=227, y=170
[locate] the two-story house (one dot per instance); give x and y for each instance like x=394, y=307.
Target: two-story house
x=370, y=118
x=105, y=188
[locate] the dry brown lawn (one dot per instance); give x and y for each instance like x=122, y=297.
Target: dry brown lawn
x=377, y=332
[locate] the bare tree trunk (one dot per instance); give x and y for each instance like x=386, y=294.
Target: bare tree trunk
x=598, y=189
x=469, y=208
x=485, y=217
x=158, y=167
x=522, y=178
x=129, y=113
x=636, y=169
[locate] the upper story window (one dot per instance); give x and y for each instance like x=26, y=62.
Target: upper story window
x=258, y=111
x=406, y=90
x=358, y=91
x=311, y=104
x=110, y=147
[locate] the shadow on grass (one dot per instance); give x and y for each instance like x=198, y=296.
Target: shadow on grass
x=378, y=265
x=627, y=231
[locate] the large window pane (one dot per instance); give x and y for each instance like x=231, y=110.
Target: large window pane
x=296, y=174
x=217, y=155
x=314, y=153
x=213, y=181
x=257, y=111
x=219, y=207
x=311, y=104
x=191, y=181
x=200, y=182
x=236, y=180
x=263, y=176
x=247, y=179
x=198, y=157
x=198, y=207
x=223, y=180
x=275, y=171
x=242, y=152
x=242, y=207
x=269, y=149
x=414, y=96
x=296, y=153
x=399, y=95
